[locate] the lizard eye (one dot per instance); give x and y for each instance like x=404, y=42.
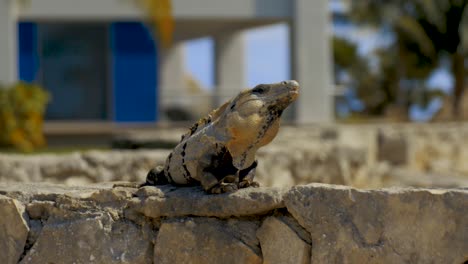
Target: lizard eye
x=259, y=90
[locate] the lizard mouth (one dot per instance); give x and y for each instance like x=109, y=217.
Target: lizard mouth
x=291, y=95
x=294, y=92
x=288, y=95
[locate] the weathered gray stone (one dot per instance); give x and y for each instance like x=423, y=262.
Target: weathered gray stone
x=80, y=168
x=25, y=192
x=91, y=239
x=35, y=228
x=302, y=162
x=295, y=226
x=244, y=230
x=280, y=244
x=392, y=147
x=13, y=230
x=101, y=224
x=193, y=201
x=404, y=177
x=201, y=240
x=336, y=154
x=382, y=226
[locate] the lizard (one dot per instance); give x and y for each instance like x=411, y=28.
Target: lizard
x=218, y=151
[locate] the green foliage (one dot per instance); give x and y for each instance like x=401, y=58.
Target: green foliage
x=344, y=52
x=379, y=88
x=425, y=31
x=22, y=108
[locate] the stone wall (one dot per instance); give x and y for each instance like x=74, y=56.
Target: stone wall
x=80, y=167
x=46, y=223
x=363, y=156
x=278, y=166
x=437, y=148
x=423, y=147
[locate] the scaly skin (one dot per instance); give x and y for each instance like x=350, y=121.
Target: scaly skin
x=218, y=151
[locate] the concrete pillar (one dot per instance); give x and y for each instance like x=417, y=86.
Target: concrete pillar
x=311, y=61
x=172, y=85
x=8, y=42
x=230, y=66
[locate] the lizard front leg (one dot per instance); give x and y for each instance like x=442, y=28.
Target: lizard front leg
x=213, y=185
x=218, y=175
x=217, y=185
x=246, y=176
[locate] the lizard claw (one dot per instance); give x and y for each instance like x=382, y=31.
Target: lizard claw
x=223, y=188
x=245, y=184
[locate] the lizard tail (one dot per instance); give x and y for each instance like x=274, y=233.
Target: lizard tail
x=155, y=177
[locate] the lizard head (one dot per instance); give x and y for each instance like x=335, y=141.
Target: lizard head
x=275, y=97
x=265, y=99
x=252, y=118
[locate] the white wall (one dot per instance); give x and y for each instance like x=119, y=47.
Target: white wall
x=126, y=9
x=8, y=42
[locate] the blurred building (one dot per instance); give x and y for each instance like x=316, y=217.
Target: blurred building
x=101, y=63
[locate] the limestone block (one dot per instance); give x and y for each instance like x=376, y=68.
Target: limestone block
x=80, y=168
x=305, y=162
x=360, y=138
x=101, y=224
x=392, y=146
x=13, y=230
x=462, y=159
x=202, y=240
x=193, y=201
x=280, y=244
x=382, y=226
x=435, y=149
x=95, y=238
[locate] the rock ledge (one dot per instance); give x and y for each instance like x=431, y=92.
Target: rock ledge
x=318, y=223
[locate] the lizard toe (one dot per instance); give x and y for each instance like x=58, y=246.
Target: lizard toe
x=254, y=184
x=223, y=188
x=245, y=184
x=229, y=187
x=215, y=190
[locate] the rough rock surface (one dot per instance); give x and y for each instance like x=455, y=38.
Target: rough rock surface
x=80, y=168
x=363, y=156
x=195, y=240
x=169, y=201
x=13, y=230
x=90, y=239
x=280, y=244
x=382, y=226
x=101, y=224
x=302, y=163
x=278, y=166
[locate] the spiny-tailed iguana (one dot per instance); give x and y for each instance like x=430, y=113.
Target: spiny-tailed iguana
x=218, y=151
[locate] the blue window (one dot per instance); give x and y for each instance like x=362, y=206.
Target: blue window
x=28, y=59
x=74, y=68
x=90, y=74
x=134, y=71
